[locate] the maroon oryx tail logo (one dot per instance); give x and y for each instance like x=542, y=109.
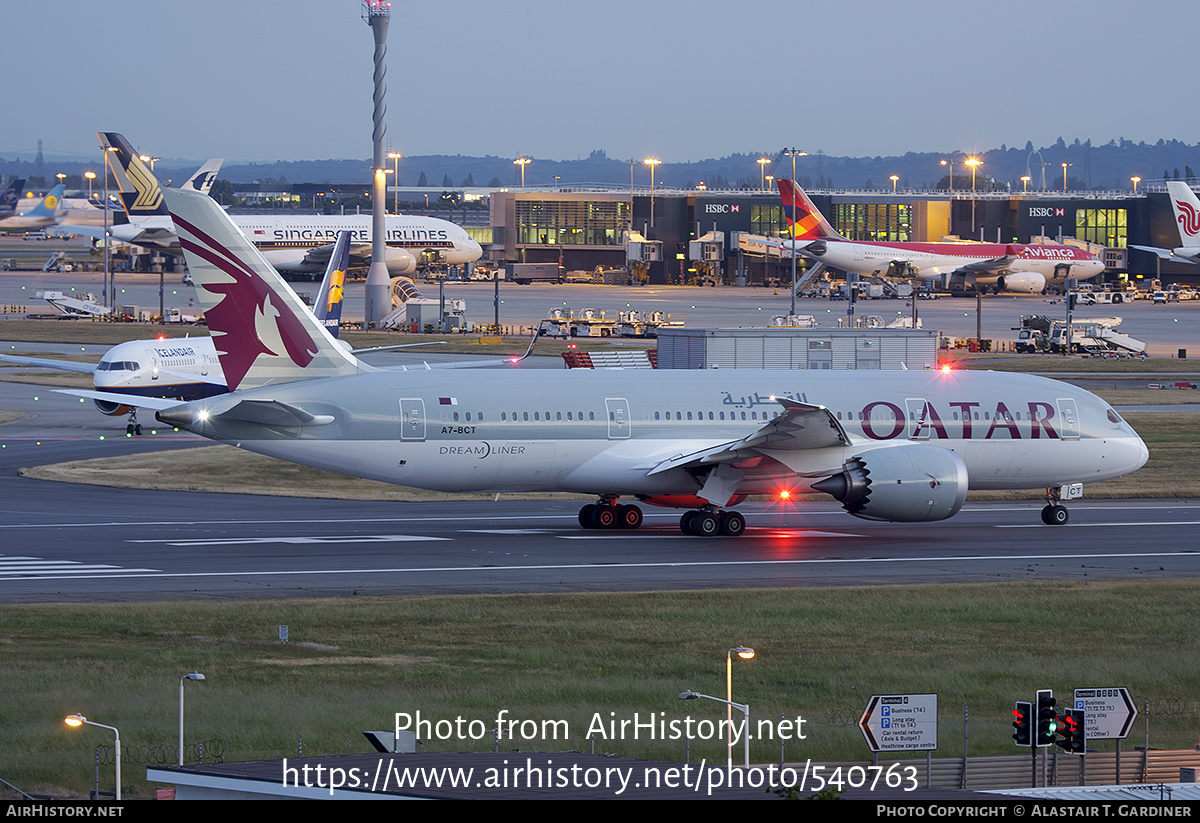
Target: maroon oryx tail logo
x=247, y=302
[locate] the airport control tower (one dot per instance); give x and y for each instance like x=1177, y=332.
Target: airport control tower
x=378, y=293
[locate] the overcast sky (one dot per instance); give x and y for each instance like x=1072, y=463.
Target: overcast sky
x=264, y=79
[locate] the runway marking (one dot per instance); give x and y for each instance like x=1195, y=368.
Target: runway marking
x=1083, y=525
x=259, y=541
x=37, y=568
x=506, y=531
x=611, y=566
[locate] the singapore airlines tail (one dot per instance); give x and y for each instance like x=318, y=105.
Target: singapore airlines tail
x=263, y=332
x=804, y=220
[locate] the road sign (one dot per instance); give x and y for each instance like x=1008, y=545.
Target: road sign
x=900, y=722
x=1108, y=713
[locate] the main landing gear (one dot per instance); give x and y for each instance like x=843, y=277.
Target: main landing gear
x=606, y=514
x=712, y=522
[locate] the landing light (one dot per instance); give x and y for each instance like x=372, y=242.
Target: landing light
x=785, y=495
x=946, y=368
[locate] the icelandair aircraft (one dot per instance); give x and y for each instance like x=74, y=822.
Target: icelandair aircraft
x=39, y=217
x=11, y=196
x=1187, y=216
x=901, y=446
x=1011, y=267
x=182, y=368
x=298, y=245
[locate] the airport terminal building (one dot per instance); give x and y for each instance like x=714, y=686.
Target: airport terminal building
x=586, y=229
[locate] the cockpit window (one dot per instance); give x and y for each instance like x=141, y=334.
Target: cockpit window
x=1114, y=417
x=117, y=365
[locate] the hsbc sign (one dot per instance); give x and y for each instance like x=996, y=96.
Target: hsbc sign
x=1047, y=211
x=721, y=208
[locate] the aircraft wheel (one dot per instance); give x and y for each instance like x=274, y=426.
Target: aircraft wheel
x=685, y=522
x=138, y=429
x=705, y=524
x=1059, y=515
x=587, y=515
x=605, y=517
x=732, y=524
x=129, y=430
x=629, y=517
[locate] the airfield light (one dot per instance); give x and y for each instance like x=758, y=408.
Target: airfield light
x=194, y=676
x=77, y=720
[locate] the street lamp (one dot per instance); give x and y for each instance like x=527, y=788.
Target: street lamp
x=950, y=164
x=395, y=155
x=794, y=152
x=1135, y=180
x=77, y=720
x=894, y=178
x=61, y=177
x=744, y=708
x=974, y=163
x=90, y=175
x=192, y=676
x=652, y=162
x=762, y=172
x=522, y=162
x=1065, y=166
x=743, y=652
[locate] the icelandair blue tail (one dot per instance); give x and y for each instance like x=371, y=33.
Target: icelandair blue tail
x=328, y=306
x=11, y=196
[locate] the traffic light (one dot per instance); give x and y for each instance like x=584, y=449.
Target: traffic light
x=1022, y=717
x=1070, y=727
x=1047, y=721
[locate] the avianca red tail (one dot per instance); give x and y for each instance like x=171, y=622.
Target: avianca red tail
x=803, y=218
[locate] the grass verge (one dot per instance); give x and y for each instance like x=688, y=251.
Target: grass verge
x=353, y=662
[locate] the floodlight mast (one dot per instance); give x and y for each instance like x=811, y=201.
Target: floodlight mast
x=377, y=13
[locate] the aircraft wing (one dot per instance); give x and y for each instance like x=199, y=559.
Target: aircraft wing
x=996, y=265
x=57, y=365
x=801, y=426
x=1165, y=254
x=138, y=400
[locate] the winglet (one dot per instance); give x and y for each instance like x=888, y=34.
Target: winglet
x=263, y=333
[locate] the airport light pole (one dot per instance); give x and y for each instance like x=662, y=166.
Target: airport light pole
x=950, y=164
x=395, y=155
x=61, y=177
x=744, y=708
x=377, y=13
x=651, y=162
x=77, y=720
x=762, y=172
x=1135, y=181
x=794, y=152
x=1025, y=184
x=974, y=163
x=90, y=175
x=522, y=162
x=193, y=676
x=894, y=178
x=1065, y=167
x=107, y=254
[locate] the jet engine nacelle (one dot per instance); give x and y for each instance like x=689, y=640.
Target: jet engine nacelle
x=816, y=248
x=906, y=484
x=399, y=261
x=1022, y=282
x=110, y=408
x=1187, y=251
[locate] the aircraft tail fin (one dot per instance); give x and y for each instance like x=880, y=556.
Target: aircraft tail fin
x=328, y=305
x=263, y=332
x=11, y=196
x=140, y=191
x=48, y=205
x=1187, y=211
x=805, y=221
x=202, y=181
